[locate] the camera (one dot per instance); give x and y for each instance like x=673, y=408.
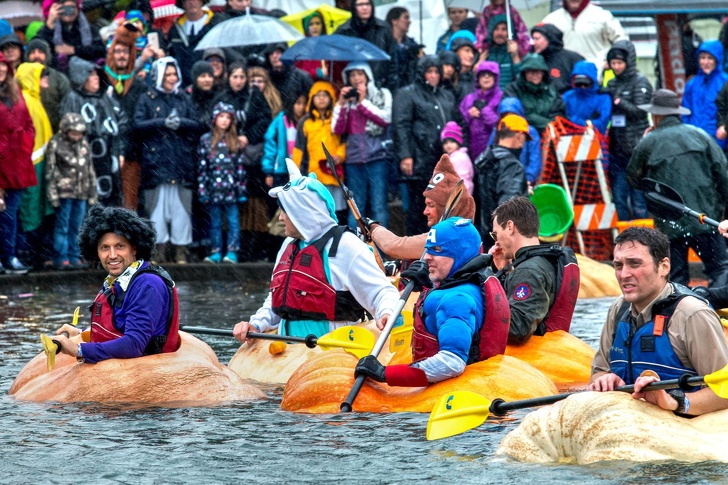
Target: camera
x=479, y=104
x=68, y=10
x=352, y=94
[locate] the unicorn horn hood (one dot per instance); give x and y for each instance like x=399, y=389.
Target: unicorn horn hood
x=307, y=202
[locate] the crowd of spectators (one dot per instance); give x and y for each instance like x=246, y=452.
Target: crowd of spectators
x=121, y=113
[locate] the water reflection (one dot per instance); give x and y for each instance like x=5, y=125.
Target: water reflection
x=97, y=443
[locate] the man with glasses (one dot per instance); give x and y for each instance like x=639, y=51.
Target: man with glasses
x=324, y=276
x=540, y=280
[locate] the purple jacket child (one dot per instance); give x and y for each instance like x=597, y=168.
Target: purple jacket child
x=487, y=101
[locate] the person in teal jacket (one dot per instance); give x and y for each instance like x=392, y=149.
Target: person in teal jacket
x=280, y=138
x=702, y=90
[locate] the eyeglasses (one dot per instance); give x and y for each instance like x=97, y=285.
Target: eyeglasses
x=493, y=235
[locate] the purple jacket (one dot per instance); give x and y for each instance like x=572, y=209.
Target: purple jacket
x=480, y=128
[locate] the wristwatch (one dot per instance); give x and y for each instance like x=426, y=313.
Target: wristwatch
x=683, y=403
x=79, y=355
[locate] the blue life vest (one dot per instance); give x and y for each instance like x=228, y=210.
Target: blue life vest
x=636, y=350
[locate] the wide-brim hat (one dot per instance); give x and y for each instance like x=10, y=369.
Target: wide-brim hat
x=664, y=102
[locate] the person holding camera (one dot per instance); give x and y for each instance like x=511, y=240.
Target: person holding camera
x=363, y=112
x=69, y=34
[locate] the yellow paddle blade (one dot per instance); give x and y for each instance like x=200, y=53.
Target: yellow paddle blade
x=74, y=322
x=50, y=348
x=718, y=382
x=357, y=341
x=455, y=413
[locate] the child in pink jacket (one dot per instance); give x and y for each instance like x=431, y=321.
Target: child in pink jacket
x=452, y=140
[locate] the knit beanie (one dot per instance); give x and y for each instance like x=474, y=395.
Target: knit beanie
x=444, y=178
x=452, y=130
x=199, y=68
x=617, y=53
x=223, y=107
x=456, y=238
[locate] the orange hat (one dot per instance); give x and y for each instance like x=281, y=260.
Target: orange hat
x=515, y=123
x=443, y=180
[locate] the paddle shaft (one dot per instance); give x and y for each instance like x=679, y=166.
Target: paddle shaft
x=684, y=209
x=500, y=407
x=309, y=340
x=346, y=406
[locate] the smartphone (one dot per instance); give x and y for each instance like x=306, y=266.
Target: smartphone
x=68, y=10
x=153, y=40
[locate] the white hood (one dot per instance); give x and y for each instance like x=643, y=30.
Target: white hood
x=158, y=68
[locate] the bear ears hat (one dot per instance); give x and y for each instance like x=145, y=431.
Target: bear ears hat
x=443, y=181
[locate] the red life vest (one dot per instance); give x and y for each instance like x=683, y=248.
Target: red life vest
x=300, y=289
x=566, y=290
x=493, y=335
x=103, y=324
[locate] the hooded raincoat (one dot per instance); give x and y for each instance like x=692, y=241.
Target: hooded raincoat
x=702, y=90
x=559, y=60
x=33, y=206
x=584, y=104
x=540, y=101
x=482, y=126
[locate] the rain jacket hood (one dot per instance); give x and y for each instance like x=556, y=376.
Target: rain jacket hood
x=78, y=71
x=715, y=49
x=584, y=68
x=320, y=86
x=628, y=49
x=511, y=104
x=72, y=121
x=359, y=66
x=488, y=66
x=553, y=34
x=158, y=68
x=534, y=62
x=423, y=65
x=28, y=76
x=497, y=19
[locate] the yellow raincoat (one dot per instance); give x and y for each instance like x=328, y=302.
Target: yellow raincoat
x=34, y=205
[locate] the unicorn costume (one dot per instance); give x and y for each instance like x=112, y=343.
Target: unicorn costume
x=326, y=279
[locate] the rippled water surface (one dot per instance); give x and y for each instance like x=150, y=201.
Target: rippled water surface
x=256, y=442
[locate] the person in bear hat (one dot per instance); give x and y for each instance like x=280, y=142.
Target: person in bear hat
x=136, y=312
x=437, y=192
x=453, y=327
x=317, y=251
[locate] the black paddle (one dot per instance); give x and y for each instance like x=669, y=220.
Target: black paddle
x=664, y=202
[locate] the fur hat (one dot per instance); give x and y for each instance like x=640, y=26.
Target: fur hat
x=444, y=178
x=123, y=222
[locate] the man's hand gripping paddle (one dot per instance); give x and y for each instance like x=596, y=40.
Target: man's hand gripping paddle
x=51, y=347
x=357, y=341
x=460, y=411
x=346, y=406
x=349, y=196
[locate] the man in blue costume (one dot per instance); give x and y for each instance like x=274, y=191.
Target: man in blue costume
x=657, y=329
x=136, y=312
x=463, y=320
x=324, y=276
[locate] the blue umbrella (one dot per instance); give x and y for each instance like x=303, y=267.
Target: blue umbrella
x=334, y=48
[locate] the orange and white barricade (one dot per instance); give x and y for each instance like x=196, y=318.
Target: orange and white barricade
x=573, y=157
